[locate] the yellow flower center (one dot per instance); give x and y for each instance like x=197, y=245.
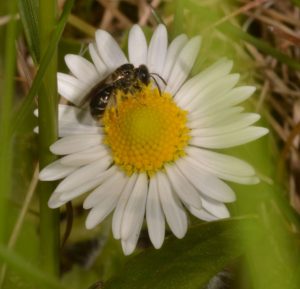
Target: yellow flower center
x=145, y=130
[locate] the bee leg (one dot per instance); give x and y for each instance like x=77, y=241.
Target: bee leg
x=157, y=84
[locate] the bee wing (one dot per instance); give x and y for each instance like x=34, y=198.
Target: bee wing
x=87, y=98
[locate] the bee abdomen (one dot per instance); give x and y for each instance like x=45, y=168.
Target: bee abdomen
x=100, y=100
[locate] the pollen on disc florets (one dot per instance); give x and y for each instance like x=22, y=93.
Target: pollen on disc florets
x=145, y=130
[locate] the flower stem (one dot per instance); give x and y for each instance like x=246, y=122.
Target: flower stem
x=49, y=219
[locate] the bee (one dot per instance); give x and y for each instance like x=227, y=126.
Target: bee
x=126, y=78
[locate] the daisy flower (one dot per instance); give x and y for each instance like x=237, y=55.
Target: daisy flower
x=151, y=155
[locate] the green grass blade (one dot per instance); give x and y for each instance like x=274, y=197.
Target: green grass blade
x=6, y=101
x=47, y=105
x=26, y=106
x=28, y=10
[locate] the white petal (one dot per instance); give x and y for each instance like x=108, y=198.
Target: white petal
x=83, y=69
x=135, y=208
x=173, y=210
x=237, y=123
x=86, y=157
x=103, y=207
x=75, y=143
x=220, y=162
x=158, y=50
x=216, y=208
x=137, y=46
x=201, y=80
x=75, y=115
x=99, y=64
x=208, y=185
x=234, y=117
x=202, y=121
x=55, y=171
x=67, y=196
x=202, y=214
x=231, y=98
x=54, y=202
x=71, y=88
x=212, y=91
x=68, y=129
x=223, y=174
x=100, y=212
x=120, y=208
x=112, y=185
x=109, y=50
x=184, y=189
x=154, y=215
x=172, y=54
x=183, y=65
x=84, y=174
x=252, y=180
x=129, y=244
x=230, y=139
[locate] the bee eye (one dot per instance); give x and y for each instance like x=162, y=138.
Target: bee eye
x=143, y=74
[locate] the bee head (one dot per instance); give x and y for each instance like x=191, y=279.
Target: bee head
x=142, y=74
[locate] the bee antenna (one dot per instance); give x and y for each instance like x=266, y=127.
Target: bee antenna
x=153, y=73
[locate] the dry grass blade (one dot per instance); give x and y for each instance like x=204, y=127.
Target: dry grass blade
x=279, y=25
x=243, y=9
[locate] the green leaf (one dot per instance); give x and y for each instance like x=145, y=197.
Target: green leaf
x=29, y=16
x=184, y=264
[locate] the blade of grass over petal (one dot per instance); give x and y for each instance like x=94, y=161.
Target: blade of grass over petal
x=6, y=101
x=26, y=107
x=27, y=270
x=47, y=103
x=28, y=10
x=156, y=16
